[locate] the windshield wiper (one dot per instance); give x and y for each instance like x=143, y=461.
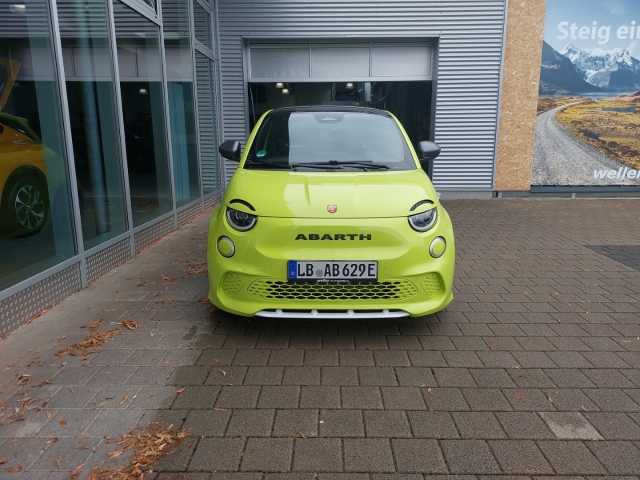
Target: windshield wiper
x=334, y=164
x=319, y=166
x=365, y=165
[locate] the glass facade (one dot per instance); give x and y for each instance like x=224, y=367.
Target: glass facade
x=101, y=111
x=205, y=68
x=89, y=75
x=182, y=118
x=202, y=24
x=141, y=88
x=36, y=218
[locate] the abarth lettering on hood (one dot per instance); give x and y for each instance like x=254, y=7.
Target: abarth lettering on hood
x=335, y=237
x=331, y=214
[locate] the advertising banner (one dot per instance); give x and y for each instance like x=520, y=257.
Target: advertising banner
x=588, y=125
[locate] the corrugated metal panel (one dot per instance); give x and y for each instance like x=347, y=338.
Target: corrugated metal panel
x=28, y=18
x=175, y=18
x=202, y=24
x=206, y=92
x=355, y=60
x=131, y=24
x=82, y=18
x=470, y=34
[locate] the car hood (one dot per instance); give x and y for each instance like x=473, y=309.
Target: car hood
x=287, y=194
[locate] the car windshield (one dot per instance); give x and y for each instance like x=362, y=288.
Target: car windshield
x=329, y=141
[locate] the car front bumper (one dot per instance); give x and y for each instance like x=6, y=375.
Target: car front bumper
x=253, y=282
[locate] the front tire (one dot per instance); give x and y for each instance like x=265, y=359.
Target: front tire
x=25, y=208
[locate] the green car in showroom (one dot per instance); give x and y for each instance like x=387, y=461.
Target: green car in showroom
x=331, y=214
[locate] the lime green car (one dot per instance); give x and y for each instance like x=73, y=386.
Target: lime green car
x=330, y=214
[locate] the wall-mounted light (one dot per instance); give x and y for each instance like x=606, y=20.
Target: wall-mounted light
x=279, y=85
x=143, y=91
x=285, y=91
x=18, y=8
x=349, y=85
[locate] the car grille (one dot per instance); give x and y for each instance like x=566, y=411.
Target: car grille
x=332, y=291
x=271, y=290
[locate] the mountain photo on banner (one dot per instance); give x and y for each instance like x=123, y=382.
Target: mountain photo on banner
x=588, y=126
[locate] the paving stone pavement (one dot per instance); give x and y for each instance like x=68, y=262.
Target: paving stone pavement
x=533, y=371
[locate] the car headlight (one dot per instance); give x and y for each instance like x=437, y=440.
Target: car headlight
x=241, y=221
x=423, y=222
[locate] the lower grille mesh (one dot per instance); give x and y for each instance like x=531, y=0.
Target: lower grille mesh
x=271, y=290
x=399, y=290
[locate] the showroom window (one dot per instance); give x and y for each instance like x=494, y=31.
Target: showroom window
x=88, y=68
x=211, y=181
x=140, y=66
x=182, y=119
x=202, y=24
x=36, y=223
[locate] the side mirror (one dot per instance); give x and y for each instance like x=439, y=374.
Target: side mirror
x=230, y=150
x=430, y=152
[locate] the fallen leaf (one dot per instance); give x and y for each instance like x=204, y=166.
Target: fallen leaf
x=195, y=269
x=115, y=454
x=3, y=461
x=168, y=279
x=203, y=301
x=129, y=324
x=24, y=378
x=75, y=473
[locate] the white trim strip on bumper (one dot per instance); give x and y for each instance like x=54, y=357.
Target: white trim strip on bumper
x=331, y=315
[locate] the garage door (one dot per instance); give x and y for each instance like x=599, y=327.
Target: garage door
x=322, y=62
x=343, y=61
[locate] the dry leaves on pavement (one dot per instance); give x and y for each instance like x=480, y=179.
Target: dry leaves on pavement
x=94, y=340
x=146, y=446
x=19, y=412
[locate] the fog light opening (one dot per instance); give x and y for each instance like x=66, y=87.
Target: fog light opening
x=438, y=247
x=226, y=247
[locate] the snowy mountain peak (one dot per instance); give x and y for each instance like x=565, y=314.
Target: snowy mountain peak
x=569, y=48
x=598, y=65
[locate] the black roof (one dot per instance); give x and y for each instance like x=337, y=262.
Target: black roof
x=332, y=108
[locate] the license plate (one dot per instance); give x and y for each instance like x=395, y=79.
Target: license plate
x=330, y=271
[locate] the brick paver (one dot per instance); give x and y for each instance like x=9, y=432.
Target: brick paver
x=533, y=371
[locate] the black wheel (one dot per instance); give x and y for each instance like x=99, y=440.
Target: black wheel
x=25, y=207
